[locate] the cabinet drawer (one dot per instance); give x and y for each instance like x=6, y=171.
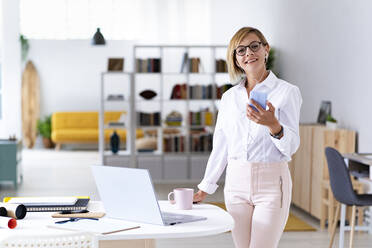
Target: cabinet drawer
x=198, y=165
x=153, y=164
x=175, y=168
x=119, y=161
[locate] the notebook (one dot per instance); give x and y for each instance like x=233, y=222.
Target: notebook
x=100, y=226
x=80, y=204
x=44, y=201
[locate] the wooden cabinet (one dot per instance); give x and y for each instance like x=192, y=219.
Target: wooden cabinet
x=309, y=165
x=10, y=161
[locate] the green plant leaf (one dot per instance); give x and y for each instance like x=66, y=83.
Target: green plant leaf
x=44, y=127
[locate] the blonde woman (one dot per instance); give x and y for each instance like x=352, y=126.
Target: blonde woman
x=255, y=144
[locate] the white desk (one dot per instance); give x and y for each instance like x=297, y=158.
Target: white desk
x=218, y=221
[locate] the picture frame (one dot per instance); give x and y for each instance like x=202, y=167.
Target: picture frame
x=324, y=111
x=115, y=64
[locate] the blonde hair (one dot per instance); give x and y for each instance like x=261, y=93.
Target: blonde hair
x=235, y=72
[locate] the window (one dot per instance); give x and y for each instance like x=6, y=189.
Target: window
x=142, y=20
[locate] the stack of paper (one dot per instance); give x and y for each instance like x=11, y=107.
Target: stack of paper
x=100, y=226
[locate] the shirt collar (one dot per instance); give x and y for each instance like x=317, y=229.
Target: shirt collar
x=268, y=82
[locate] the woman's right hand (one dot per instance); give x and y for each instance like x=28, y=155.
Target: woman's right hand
x=199, y=196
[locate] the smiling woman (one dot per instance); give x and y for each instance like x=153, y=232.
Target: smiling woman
x=254, y=142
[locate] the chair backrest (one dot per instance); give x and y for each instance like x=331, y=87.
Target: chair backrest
x=68, y=240
x=339, y=177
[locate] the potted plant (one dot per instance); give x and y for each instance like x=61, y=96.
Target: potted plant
x=44, y=128
x=331, y=122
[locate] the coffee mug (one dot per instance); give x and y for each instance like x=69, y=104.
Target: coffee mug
x=182, y=198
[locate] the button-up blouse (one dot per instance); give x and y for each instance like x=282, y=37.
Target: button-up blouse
x=237, y=137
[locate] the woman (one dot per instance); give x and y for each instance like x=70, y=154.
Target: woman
x=255, y=144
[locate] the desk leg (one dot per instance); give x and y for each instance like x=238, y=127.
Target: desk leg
x=134, y=243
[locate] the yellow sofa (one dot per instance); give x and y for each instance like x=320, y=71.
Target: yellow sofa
x=82, y=127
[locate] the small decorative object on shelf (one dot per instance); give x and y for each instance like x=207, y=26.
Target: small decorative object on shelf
x=324, y=111
x=331, y=122
x=98, y=38
x=116, y=124
x=115, y=97
x=114, y=142
x=146, y=144
x=148, y=94
x=115, y=64
x=174, y=118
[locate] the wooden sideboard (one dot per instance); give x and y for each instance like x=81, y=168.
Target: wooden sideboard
x=309, y=165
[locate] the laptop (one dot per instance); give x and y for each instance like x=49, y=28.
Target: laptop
x=128, y=194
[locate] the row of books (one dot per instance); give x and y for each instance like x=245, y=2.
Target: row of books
x=201, y=118
x=174, y=143
x=148, y=119
x=201, y=142
x=221, y=65
x=148, y=65
x=179, y=91
x=190, y=64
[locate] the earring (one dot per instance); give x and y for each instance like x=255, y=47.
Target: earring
x=266, y=56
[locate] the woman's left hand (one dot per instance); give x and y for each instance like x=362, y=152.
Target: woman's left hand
x=264, y=117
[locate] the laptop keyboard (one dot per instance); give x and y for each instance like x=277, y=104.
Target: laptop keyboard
x=172, y=219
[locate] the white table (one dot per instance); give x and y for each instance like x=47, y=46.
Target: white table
x=218, y=221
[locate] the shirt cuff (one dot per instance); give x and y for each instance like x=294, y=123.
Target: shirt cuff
x=283, y=144
x=207, y=187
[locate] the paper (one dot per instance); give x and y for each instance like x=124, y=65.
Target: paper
x=101, y=226
x=41, y=201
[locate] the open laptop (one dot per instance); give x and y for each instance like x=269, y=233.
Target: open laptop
x=128, y=194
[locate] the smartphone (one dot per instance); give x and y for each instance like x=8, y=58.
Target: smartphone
x=260, y=98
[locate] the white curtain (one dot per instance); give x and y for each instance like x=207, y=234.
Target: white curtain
x=149, y=21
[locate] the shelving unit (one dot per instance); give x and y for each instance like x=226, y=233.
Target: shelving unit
x=124, y=85
x=187, y=166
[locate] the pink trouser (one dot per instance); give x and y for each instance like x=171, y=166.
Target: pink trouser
x=258, y=196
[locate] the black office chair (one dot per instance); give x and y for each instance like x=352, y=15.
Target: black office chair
x=344, y=193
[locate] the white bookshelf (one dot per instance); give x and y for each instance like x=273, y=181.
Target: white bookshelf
x=165, y=167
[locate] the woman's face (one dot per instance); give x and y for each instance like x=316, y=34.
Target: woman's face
x=251, y=58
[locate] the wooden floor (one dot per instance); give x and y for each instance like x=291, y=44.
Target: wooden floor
x=47, y=173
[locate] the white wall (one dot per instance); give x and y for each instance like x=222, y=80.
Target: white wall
x=10, y=124
x=323, y=47
x=70, y=72
x=326, y=49
x=229, y=16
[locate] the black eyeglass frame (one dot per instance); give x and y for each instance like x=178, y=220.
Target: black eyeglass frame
x=249, y=46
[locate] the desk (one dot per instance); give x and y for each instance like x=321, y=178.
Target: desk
x=360, y=165
x=218, y=221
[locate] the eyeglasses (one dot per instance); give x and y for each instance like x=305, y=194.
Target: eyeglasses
x=254, y=46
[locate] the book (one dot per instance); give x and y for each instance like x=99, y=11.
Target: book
x=80, y=204
x=99, y=226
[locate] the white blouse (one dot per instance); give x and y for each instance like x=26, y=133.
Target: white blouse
x=237, y=137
